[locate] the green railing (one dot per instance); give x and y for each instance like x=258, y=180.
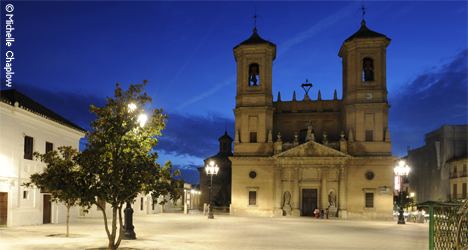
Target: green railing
x=448, y=225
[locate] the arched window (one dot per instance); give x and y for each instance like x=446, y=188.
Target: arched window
x=254, y=76
x=367, y=69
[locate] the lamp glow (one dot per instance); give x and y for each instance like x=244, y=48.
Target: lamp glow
x=142, y=119
x=211, y=169
x=401, y=170
x=132, y=107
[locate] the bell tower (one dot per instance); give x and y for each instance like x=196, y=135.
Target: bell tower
x=365, y=103
x=254, y=101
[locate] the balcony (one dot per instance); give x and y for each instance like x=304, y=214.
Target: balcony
x=454, y=175
x=459, y=196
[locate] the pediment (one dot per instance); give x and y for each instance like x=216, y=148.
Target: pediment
x=311, y=149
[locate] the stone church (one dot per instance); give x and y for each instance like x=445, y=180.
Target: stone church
x=292, y=157
x=221, y=183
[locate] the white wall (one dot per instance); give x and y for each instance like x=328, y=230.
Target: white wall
x=15, y=123
x=148, y=208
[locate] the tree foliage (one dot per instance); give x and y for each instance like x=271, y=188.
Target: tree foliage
x=61, y=177
x=119, y=161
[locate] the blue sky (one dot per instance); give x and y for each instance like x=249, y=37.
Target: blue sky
x=70, y=54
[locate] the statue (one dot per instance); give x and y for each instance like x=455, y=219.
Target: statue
x=270, y=136
x=310, y=133
x=325, y=139
x=286, y=203
x=236, y=137
x=332, y=199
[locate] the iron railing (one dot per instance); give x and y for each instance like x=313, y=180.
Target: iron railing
x=448, y=225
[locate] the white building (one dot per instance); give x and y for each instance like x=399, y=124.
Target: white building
x=144, y=204
x=26, y=127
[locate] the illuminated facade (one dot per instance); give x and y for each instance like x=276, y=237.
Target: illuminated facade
x=26, y=127
x=292, y=157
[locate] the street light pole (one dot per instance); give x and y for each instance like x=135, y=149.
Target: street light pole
x=210, y=209
x=129, y=229
x=211, y=169
x=401, y=170
x=401, y=216
x=129, y=232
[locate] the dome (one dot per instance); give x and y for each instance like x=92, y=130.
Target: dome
x=255, y=39
x=365, y=32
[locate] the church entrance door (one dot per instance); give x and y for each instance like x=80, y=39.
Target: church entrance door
x=309, y=202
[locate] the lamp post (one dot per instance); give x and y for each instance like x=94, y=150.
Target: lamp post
x=401, y=170
x=129, y=232
x=211, y=169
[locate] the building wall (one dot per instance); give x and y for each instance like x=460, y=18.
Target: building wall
x=15, y=123
x=381, y=185
x=458, y=178
x=139, y=207
x=221, y=188
x=430, y=175
x=288, y=164
x=289, y=123
x=242, y=184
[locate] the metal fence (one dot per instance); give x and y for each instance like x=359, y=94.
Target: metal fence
x=448, y=225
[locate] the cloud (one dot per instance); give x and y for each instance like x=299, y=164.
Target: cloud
x=194, y=135
x=188, y=174
x=207, y=93
x=319, y=26
x=282, y=48
x=185, y=136
x=186, y=141
x=72, y=106
x=433, y=98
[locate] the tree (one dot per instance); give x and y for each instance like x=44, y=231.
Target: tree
x=60, y=177
x=119, y=161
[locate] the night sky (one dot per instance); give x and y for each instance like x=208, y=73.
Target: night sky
x=69, y=55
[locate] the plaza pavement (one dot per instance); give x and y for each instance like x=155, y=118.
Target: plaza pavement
x=193, y=232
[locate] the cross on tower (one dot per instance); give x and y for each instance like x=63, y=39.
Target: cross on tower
x=363, y=9
x=255, y=19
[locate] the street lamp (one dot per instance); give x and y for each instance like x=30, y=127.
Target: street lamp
x=401, y=170
x=129, y=232
x=211, y=169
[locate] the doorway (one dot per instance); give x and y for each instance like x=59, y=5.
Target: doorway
x=309, y=202
x=47, y=209
x=3, y=208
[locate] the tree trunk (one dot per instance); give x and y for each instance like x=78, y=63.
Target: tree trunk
x=111, y=245
x=119, y=239
x=68, y=220
x=106, y=225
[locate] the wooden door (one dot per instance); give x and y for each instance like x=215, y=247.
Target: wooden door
x=309, y=202
x=47, y=209
x=3, y=208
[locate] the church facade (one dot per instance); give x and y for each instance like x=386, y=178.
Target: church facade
x=293, y=157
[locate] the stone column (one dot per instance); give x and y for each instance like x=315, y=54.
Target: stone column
x=324, y=189
x=295, y=196
x=278, y=191
x=342, y=206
